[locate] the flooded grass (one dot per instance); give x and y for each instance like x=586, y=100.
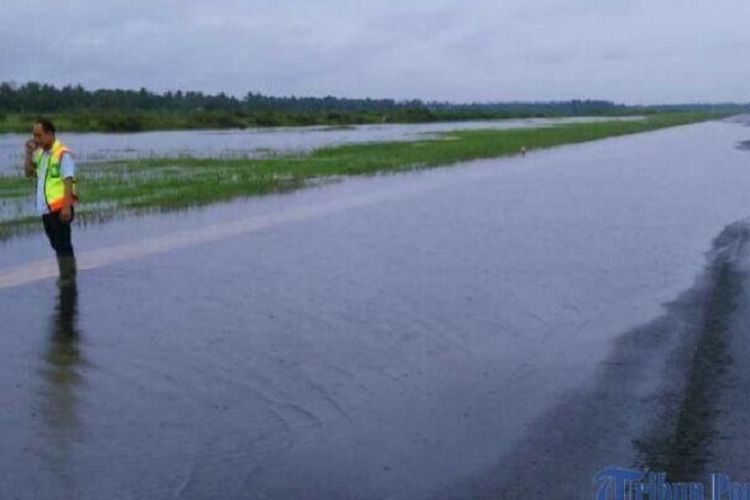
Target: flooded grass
x=18, y=226
x=159, y=184
x=13, y=187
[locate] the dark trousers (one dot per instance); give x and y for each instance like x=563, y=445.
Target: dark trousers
x=58, y=233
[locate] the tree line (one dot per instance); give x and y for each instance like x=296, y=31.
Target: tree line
x=45, y=98
x=133, y=110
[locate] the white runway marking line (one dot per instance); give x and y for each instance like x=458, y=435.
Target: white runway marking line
x=93, y=259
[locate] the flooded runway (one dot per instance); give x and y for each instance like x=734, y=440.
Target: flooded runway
x=482, y=331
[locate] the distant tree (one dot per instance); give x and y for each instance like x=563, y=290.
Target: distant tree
x=119, y=107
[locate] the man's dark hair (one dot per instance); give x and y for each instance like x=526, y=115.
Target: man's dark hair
x=47, y=125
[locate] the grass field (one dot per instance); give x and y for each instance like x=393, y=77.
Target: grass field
x=137, y=186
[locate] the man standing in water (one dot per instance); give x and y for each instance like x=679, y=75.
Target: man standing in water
x=52, y=164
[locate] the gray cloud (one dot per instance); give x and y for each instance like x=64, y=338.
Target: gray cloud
x=625, y=50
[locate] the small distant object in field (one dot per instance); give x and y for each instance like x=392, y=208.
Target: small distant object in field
x=523, y=150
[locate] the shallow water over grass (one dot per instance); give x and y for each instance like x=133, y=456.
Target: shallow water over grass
x=149, y=184
x=91, y=147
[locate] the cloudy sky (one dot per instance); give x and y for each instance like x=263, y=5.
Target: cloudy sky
x=631, y=51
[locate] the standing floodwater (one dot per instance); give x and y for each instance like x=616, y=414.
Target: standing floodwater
x=451, y=333
x=251, y=142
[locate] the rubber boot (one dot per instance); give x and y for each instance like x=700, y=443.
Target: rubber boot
x=67, y=269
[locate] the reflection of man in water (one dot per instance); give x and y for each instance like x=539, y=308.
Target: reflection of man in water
x=63, y=376
x=63, y=355
x=52, y=164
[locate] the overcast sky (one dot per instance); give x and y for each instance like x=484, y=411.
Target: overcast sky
x=632, y=51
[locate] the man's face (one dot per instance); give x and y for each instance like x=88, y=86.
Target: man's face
x=43, y=139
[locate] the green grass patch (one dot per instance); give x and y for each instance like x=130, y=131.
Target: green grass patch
x=161, y=184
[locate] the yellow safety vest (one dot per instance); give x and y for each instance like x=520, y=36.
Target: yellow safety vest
x=54, y=187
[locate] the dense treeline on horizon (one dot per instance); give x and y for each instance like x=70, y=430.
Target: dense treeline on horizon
x=134, y=110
